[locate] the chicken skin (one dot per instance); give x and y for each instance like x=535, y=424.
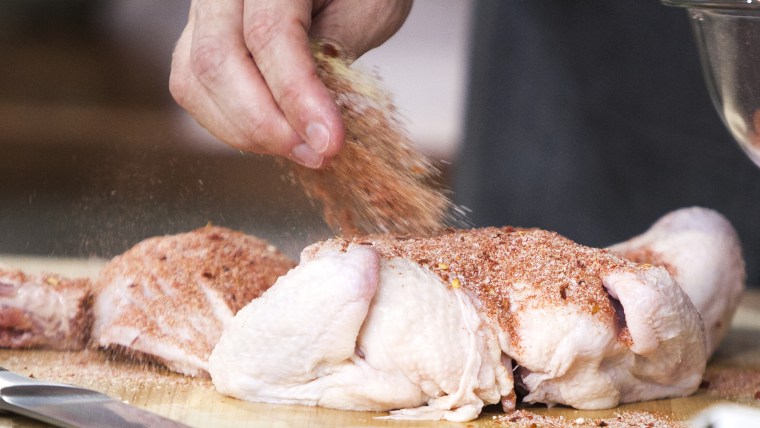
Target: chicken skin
x=349, y=331
x=436, y=328
x=169, y=298
x=711, y=271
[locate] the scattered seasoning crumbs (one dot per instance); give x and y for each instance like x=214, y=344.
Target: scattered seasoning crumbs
x=627, y=419
x=456, y=283
x=732, y=383
x=99, y=370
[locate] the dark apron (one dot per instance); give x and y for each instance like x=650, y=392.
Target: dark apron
x=592, y=118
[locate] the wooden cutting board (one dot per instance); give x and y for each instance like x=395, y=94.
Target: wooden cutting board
x=732, y=375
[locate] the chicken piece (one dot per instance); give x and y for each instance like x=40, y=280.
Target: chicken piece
x=327, y=335
x=436, y=327
x=168, y=298
x=701, y=251
x=44, y=311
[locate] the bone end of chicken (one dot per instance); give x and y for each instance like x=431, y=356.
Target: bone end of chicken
x=657, y=349
x=701, y=250
x=44, y=311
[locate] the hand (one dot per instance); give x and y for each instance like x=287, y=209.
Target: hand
x=244, y=70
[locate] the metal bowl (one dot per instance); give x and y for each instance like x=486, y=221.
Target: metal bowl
x=728, y=38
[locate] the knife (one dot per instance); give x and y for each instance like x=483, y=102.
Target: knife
x=71, y=406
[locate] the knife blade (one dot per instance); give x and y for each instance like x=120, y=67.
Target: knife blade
x=71, y=406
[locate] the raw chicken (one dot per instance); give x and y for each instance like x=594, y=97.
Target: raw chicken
x=44, y=311
x=416, y=341
x=436, y=327
x=168, y=298
x=711, y=271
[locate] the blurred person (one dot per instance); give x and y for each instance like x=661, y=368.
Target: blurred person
x=588, y=118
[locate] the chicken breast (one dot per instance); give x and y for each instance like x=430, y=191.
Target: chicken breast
x=435, y=328
x=701, y=251
x=44, y=311
x=169, y=298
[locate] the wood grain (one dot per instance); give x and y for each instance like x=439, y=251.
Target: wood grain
x=196, y=403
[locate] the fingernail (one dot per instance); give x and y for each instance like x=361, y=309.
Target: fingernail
x=306, y=156
x=318, y=136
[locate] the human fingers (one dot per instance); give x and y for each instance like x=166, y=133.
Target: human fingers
x=276, y=33
x=190, y=93
x=223, y=88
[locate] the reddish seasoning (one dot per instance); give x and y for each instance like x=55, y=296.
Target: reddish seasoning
x=379, y=182
x=732, y=383
x=169, y=274
x=511, y=271
x=626, y=419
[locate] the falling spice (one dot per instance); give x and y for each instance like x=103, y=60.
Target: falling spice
x=378, y=183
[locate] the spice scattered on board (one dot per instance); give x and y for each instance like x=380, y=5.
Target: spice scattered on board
x=627, y=419
x=378, y=183
x=733, y=383
x=102, y=371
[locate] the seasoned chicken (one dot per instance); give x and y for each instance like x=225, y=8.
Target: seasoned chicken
x=701, y=251
x=44, y=311
x=168, y=298
x=435, y=328
x=350, y=331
